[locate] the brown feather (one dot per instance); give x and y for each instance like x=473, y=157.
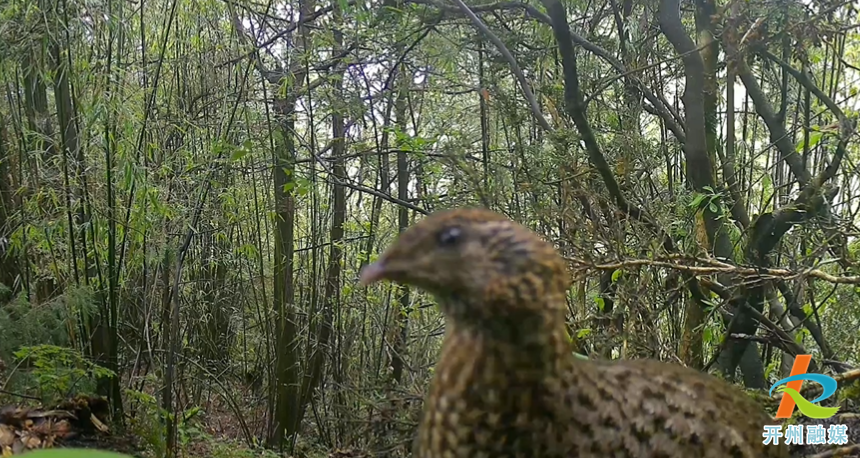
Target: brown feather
x=507, y=383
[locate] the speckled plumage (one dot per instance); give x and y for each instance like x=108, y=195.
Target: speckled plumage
x=507, y=383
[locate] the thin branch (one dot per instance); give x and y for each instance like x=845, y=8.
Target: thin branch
x=286, y=30
x=664, y=110
x=373, y=192
x=515, y=68
x=778, y=134
x=805, y=81
x=716, y=267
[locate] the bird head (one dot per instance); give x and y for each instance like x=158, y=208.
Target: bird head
x=479, y=265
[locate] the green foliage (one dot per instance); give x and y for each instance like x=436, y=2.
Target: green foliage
x=5, y=294
x=854, y=248
x=148, y=423
x=709, y=199
x=22, y=324
x=58, y=371
x=188, y=430
x=300, y=186
x=814, y=138
x=231, y=450
x=850, y=392
x=772, y=367
x=767, y=189
x=73, y=453
x=237, y=153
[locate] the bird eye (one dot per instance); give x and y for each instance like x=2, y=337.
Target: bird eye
x=449, y=236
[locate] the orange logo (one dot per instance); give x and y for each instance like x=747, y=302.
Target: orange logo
x=800, y=366
x=792, y=397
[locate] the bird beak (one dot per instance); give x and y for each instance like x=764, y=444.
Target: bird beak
x=372, y=273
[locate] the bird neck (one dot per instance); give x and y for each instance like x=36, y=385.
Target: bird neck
x=532, y=340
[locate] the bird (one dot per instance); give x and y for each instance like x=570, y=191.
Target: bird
x=508, y=383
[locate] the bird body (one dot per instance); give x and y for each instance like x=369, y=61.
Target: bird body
x=507, y=383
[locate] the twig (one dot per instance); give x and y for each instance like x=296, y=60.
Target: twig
x=515, y=68
x=717, y=267
x=19, y=395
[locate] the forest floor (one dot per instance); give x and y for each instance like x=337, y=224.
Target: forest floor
x=81, y=422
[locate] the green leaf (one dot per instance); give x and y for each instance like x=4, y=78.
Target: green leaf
x=713, y=208
x=127, y=175
x=238, y=154
x=814, y=138
x=585, y=332
x=600, y=303
x=303, y=186
x=392, y=9
x=616, y=275
x=697, y=200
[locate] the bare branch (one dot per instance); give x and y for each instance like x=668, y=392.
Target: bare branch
x=778, y=134
x=515, y=68
x=716, y=267
x=660, y=107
